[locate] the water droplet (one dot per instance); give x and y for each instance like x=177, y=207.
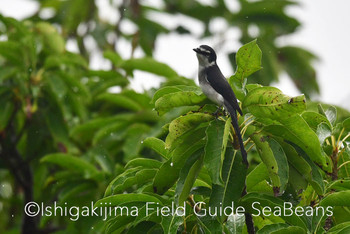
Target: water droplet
x=180, y=212
x=171, y=164
x=124, y=9
x=12, y=216
x=246, y=17
x=141, y=142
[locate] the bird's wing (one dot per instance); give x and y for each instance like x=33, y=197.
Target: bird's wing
x=221, y=85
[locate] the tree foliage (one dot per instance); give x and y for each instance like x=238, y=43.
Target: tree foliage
x=65, y=139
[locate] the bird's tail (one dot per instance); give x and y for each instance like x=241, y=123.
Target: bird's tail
x=235, y=125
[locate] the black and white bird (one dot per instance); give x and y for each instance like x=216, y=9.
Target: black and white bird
x=216, y=87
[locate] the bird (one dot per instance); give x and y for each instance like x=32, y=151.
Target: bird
x=216, y=87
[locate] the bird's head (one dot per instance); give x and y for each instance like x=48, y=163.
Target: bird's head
x=206, y=55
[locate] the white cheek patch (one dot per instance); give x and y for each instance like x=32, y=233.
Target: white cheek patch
x=204, y=50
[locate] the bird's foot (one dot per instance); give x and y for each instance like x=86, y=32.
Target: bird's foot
x=217, y=112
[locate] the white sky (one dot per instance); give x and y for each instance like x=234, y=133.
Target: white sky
x=325, y=31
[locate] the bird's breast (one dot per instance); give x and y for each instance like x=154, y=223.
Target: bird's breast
x=208, y=90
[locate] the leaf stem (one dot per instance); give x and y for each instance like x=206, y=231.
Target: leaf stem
x=341, y=133
x=343, y=164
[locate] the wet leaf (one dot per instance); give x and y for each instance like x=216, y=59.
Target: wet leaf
x=341, y=198
x=275, y=160
x=296, y=130
x=248, y=60
x=213, y=157
x=71, y=162
x=148, y=64
x=270, y=102
x=177, y=99
x=183, y=124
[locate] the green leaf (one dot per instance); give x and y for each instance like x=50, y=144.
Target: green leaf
x=184, y=146
x=85, y=131
x=314, y=119
x=183, y=124
x=117, y=200
x=323, y=131
x=235, y=224
x=117, y=224
x=52, y=39
x=346, y=124
x=133, y=140
x=235, y=179
x=210, y=224
x=226, y=137
x=343, y=158
x=262, y=200
x=274, y=158
x=278, y=227
x=257, y=180
x=174, y=89
x=12, y=52
x=5, y=114
x=56, y=123
x=270, y=102
x=71, y=162
x=120, y=179
x=177, y=99
x=187, y=177
x=120, y=100
x=64, y=60
x=331, y=114
x=340, y=228
x=148, y=64
x=113, y=57
x=296, y=180
x=157, y=145
x=341, y=198
x=309, y=173
x=142, y=217
x=75, y=190
x=143, y=162
x=133, y=177
x=248, y=60
x=7, y=73
x=296, y=130
x=290, y=230
x=213, y=157
x=171, y=223
x=101, y=80
x=109, y=131
x=282, y=163
x=234, y=176
x=339, y=185
x=317, y=179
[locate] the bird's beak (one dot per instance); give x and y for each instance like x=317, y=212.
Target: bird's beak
x=196, y=50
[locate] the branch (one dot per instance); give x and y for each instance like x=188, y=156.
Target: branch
x=19, y=168
x=248, y=217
